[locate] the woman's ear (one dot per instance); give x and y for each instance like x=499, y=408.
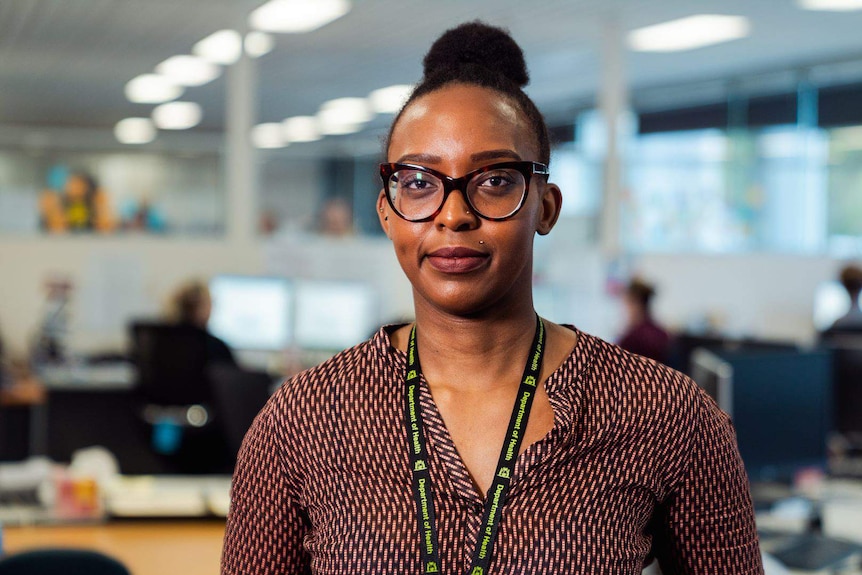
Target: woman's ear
x=383, y=212
x=549, y=209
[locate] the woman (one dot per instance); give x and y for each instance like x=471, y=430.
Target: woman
x=375, y=462
x=643, y=335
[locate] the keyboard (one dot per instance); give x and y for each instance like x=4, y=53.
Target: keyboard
x=810, y=552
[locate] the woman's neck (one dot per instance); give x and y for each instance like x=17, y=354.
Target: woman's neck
x=476, y=353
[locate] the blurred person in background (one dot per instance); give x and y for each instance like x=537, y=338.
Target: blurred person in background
x=143, y=215
x=336, y=218
x=81, y=206
x=851, y=322
x=643, y=335
x=191, y=305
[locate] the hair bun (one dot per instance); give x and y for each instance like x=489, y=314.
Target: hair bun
x=477, y=44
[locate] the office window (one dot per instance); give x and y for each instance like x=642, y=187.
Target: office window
x=19, y=200
x=845, y=191
x=289, y=194
x=578, y=181
x=141, y=192
x=728, y=191
x=676, y=195
x=789, y=176
x=334, y=196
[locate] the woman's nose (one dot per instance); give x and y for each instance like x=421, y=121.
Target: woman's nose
x=456, y=212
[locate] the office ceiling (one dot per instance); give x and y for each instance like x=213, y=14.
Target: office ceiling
x=65, y=62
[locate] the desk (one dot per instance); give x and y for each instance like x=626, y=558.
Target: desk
x=840, y=509
x=146, y=548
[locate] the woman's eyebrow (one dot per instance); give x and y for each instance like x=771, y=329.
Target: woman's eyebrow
x=477, y=157
x=494, y=155
x=419, y=159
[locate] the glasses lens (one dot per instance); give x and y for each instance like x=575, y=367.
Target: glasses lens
x=497, y=193
x=415, y=194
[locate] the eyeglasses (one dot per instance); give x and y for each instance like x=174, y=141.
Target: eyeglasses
x=495, y=192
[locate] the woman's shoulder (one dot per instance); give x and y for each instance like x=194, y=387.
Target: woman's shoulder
x=362, y=367
x=645, y=391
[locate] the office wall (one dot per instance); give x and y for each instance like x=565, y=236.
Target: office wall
x=764, y=295
x=121, y=277
x=112, y=279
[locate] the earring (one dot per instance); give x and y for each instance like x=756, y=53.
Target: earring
x=481, y=242
x=381, y=210
x=386, y=219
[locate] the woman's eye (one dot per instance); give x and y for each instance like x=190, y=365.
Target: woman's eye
x=415, y=182
x=496, y=181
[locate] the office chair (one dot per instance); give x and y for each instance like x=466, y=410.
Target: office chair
x=61, y=562
x=171, y=362
x=847, y=406
x=238, y=396
x=174, y=389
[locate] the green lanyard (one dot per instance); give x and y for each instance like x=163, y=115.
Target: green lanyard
x=496, y=497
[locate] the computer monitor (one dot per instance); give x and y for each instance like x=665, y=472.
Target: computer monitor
x=252, y=312
x=683, y=345
x=334, y=315
x=782, y=410
x=715, y=376
x=830, y=302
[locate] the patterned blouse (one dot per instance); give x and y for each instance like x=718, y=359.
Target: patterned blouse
x=639, y=463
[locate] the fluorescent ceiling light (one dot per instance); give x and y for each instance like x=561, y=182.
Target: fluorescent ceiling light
x=346, y=110
x=258, y=43
x=301, y=129
x=390, y=100
x=689, y=33
x=152, y=89
x=343, y=115
x=177, y=115
x=222, y=47
x=297, y=16
x=831, y=5
x=331, y=128
x=269, y=135
x=188, y=70
x=135, y=131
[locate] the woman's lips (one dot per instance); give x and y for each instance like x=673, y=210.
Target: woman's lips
x=456, y=260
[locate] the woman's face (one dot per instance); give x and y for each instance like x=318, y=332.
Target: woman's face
x=458, y=262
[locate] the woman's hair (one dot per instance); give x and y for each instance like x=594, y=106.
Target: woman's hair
x=851, y=279
x=641, y=292
x=482, y=55
x=187, y=301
